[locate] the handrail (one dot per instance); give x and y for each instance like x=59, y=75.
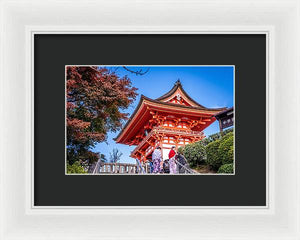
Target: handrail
x=96, y=167
x=119, y=164
x=186, y=168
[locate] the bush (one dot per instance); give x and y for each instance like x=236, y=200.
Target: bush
x=231, y=154
x=75, y=168
x=225, y=151
x=194, y=153
x=226, y=168
x=206, y=141
x=212, y=156
x=180, y=150
x=220, y=151
x=216, y=150
x=216, y=136
x=227, y=135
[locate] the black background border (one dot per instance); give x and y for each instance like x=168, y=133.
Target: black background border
x=246, y=51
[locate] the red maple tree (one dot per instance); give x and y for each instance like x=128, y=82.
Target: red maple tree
x=95, y=101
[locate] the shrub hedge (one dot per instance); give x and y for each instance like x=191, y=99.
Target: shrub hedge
x=226, y=168
x=216, y=151
x=213, y=159
x=194, y=153
x=225, y=151
x=75, y=168
x=220, y=151
x=216, y=136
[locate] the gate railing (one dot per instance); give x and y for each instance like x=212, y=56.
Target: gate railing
x=127, y=168
x=124, y=168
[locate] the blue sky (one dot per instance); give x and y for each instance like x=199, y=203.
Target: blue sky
x=210, y=86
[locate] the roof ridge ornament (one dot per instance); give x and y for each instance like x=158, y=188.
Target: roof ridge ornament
x=178, y=82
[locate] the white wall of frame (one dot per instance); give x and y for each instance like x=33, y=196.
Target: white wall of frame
x=279, y=19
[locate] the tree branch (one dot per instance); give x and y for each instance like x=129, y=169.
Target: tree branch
x=139, y=72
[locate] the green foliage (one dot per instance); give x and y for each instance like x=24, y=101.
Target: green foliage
x=212, y=150
x=220, y=151
x=206, y=141
x=75, y=168
x=194, y=153
x=231, y=154
x=229, y=130
x=225, y=150
x=227, y=135
x=180, y=150
x=216, y=136
x=226, y=168
x=215, y=151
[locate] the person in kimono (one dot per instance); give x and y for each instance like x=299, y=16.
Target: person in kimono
x=182, y=162
x=156, y=160
x=166, y=166
x=172, y=162
x=151, y=166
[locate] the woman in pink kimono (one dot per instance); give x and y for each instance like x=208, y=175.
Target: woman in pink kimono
x=156, y=159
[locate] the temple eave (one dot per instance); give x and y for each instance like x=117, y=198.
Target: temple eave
x=144, y=110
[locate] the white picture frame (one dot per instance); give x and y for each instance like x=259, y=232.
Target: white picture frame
x=278, y=19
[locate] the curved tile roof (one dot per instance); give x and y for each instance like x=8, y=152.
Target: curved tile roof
x=160, y=101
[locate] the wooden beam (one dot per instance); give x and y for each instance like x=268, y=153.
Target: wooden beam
x=207, y=119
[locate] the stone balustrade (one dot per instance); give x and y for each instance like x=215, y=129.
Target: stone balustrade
x=120, y=168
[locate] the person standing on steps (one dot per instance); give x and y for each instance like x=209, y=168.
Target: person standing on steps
x=172, y=162
x=182, y=161
x=151, y=166
x=166, y=166
x=156, y=159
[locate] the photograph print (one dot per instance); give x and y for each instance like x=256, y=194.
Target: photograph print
x=149, y=120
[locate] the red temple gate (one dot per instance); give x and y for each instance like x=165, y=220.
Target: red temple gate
x=174, y=119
